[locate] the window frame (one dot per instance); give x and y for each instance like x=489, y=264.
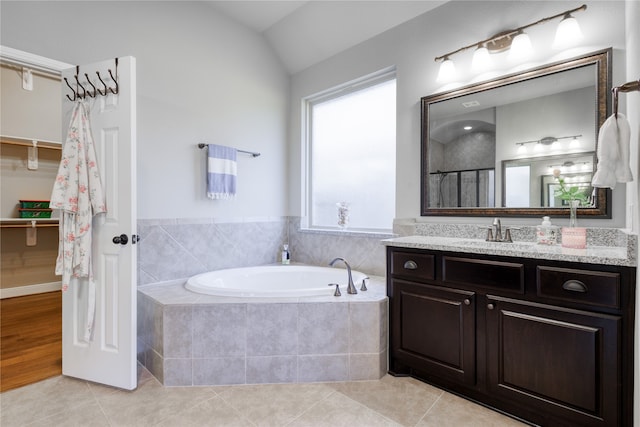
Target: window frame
x=308, y=103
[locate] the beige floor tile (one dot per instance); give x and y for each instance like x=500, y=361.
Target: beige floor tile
x=25, y=405
x=337, y=410
x=403, y=400
x=274, y=405
x=454, y=411
x=64, y=401
x=213, y=412
x=79, y=416
x=150, y=403
x=100, y=390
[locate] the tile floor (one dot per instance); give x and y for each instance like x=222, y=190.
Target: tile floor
x=63, y=401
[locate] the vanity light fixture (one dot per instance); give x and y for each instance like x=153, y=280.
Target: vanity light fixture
x=570, y=166
x=521, y=48
x=447, y=71
x=481, y=60
x=568, y=33
x=548, y=140
x=575, y=142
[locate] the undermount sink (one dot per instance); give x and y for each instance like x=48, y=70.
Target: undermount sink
x=477, y=243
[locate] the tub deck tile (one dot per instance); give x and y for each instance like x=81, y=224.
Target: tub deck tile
x=187, y=339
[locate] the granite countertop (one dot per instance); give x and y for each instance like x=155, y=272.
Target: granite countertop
x=593, y=254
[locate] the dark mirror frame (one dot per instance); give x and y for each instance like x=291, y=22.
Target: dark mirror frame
x=602, y=60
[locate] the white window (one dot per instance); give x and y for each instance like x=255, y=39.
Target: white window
x=517, y=192
x=351, y=141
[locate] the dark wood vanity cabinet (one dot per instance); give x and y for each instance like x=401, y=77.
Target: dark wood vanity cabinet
x=549, y=342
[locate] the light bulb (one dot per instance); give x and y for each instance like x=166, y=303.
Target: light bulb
x=574, y=143
x=568, y=33
x=522, y=149
x=481, y=60
x=521, y=47
x=447, y=71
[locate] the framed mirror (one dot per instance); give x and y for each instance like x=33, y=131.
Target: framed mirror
x=492, y=148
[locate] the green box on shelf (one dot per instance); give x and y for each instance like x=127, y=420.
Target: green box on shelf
x=35, y=213
x=34, y=204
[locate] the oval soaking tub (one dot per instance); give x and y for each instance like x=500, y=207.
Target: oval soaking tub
x=273, y=281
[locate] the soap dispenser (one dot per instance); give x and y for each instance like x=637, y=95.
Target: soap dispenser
x=285, y=256
x=546, y=233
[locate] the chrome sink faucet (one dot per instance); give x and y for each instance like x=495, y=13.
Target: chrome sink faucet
x=497, y=230
x=494, y=233
x=351, y=289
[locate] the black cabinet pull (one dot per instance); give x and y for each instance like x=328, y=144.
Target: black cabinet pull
x=410, y=265
x=574, y=286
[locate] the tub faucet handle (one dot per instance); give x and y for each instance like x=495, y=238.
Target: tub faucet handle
x=337, y=292
x=364, y=284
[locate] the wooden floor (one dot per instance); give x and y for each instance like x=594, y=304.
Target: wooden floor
x=30, y=339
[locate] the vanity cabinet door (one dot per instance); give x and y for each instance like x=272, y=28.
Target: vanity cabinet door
x=554, y=361
x=434, y=330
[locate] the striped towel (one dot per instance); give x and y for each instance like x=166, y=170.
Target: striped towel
x=221, y=172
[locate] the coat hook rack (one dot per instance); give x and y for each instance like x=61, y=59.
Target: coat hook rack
x=81, y=92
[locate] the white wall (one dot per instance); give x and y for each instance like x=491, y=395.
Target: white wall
x=633, y=113
x=411, y=47
x=201, y=77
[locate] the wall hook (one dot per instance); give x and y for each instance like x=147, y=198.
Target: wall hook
x=95, y=90
x=106, y=89
x=75, y=95
x=115, y=79
x=84, y=91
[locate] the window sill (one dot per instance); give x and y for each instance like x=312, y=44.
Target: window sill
x=350, y=233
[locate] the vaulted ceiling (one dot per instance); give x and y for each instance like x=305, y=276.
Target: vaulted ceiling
x=303, y=33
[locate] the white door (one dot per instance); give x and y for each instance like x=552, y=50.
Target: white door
x=110, y=358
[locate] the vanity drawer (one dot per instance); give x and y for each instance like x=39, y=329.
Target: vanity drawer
x=583, y=286
x=412, y=265
x=483, y=273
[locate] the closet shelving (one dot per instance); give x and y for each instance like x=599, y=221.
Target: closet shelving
x=28, y=142
x=29, y=222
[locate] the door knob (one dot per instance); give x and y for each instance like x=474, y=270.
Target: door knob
x=121, y=239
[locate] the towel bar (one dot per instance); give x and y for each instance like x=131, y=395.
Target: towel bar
x=252, y=153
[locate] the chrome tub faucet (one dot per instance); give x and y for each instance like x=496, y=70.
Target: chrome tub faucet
x=351, y=289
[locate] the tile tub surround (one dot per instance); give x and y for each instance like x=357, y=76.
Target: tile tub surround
x=189, y=339
x=173, y=249
x=362, y=250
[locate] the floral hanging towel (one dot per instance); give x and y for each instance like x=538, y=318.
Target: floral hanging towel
x=78, y=194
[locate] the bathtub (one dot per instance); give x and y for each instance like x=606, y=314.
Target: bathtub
x=273, y=281
x=190, y=339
